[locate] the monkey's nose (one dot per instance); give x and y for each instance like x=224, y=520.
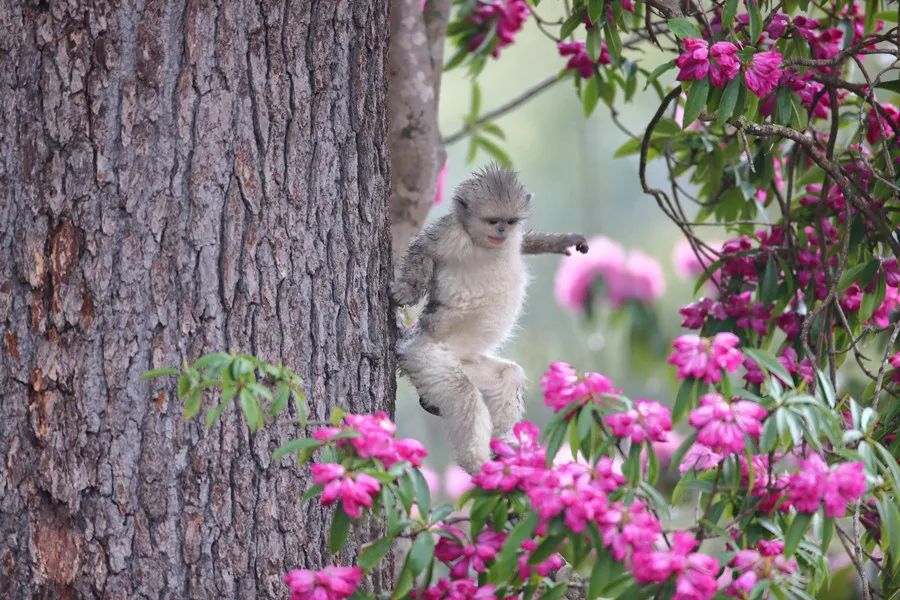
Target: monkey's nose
x=501, y=230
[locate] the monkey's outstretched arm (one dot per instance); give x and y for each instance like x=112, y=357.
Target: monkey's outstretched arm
x=415, y=271
x=553, y=243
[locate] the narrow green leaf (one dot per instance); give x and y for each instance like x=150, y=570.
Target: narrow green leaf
x=495, y=151
x=374, y=552
x=556, y=591
x=250, y=408
x=595, y=10
x=340, y=528
x=729, y=100
x=505, y=563
x=311, y=492
x=684, y=28
x=666, y=66
x=696, y=101
x=161, y=372
x=590, y=95
x=796, y=532
x=766, y=360
x=755, y=20
x=729, y=13
x=890, y=530
x=213, y=361
x=192, y=403
x=769, y=289
x=850, y=276
x=421, y=553
x=684, y=400
x=294, y=446
x=423, y=494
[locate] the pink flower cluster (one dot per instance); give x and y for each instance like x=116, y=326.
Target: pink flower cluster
x=355, y=490
x=515, y=464
x=453, y=550
x=563, y=387
x=719, y=63
x=816, y=484
x=508, y=16
x=457, y=589
x=721, y=425
x=648, y=420
x=704, y=358
x=580, y=60
x=767, y=562
x=375, y=439
x=696, y=573
x=331, y=583
x=632, y=276
x=543, y=568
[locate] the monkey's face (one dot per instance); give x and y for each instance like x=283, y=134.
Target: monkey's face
x=493, y=224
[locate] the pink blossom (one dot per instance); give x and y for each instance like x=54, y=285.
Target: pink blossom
x=883, y=123
x=693, y=63
x=628, y=529
x=574, y=490
x=790, y=323
x=354, y=489
x=891, y=272
x=543, y=568
x=563, y=387
x=578, y=272
x=699, y=457
x=375, y=439
x=516, y=465
x=766, y=563
x=815, y=484
x=851, y=299
x=580, y=60
x=763, y=73
x=458, y=589
x=694, y=315
x=882, y=315
x=331, y=583
x=452, y=551
x=648, y=420
x=705, y=359
x=687, y=266
x=723, y=66
x=640, y=279
x=803, y=368
x=722, y=425
x=457, y=482
x=754, y=374
x=432, y=479
x=509, y=16
x=804, y=26
x=777, y=25
x=439, y=189
x=696, y=573
x=666, y=449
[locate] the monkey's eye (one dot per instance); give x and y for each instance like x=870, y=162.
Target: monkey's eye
x=492, y=221
x=512, y=221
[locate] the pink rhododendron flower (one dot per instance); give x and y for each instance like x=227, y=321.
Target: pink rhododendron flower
x=686, y=264
x=515, y=466
x=777, y=25
x=804, y=26
x=763, y=73
x=461, y=556
x=803, y=368
x=883, y=123
x=331, y=583
x=702, y=358
x=722, y=425
x=700, y=458
x=766, y=563
x=457, y=482
x=882, y=315
x=891, y=272
x=723, y=65
x=696, y=573
x=509, y=16
x=693, y=63
x=851, y=299
x=563, y=387
x=628, y=529
x=432, y=479
x=817, y=484
x=641, y=278
x=575, y=490
x=578, y=272
x=580, y=60
x=543, y=568
x=664, y=450
x=353, y=489
x=375, y=440
x=458, y=589
x=648, y=420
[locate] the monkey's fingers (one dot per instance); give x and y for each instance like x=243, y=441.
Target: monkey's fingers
x=566, y=252
x=582, y=247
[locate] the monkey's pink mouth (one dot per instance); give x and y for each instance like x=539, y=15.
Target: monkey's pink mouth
x=496, y=240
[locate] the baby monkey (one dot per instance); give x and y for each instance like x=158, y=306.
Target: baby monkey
x=470, y=264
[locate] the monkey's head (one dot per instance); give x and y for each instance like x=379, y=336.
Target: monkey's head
x=491, y=206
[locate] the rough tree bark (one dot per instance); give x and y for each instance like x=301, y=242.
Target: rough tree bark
x=178, y=176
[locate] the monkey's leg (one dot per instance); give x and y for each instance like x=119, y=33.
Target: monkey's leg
x=438, y=376
x=502, y=384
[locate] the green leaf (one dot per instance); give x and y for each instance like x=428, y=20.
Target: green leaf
x=764, y=359
x=890, y=530
x=696, y=101
x=374, y=552
x=891, y=86
x=613, y=41
x=595, y=10
x=545, y=549
x=421, y=553
x=571, y=24
x=312, y=492
x=795, y=533
x=666, y=66
x=294, y=446
x=632, y=466
x=590, y=95
x=555, y=591
x=505, y=563
x=340, y=528
x=729, y=13
x=193, y=403
x=423, y=494
x=684, y=401
x=729, y=100
x=632, y=146
x=214, y=361
x=214, y=413
x=851, y=275
x=250, y=408
x=684, y=28
x=769, y=438
x=755, y=20
x=495, y=151
x=769, y=290
x=161, y=372
x=678, y=455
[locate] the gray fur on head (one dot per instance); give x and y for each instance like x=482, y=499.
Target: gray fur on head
x=492, y=189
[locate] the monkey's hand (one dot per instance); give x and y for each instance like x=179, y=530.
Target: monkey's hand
x=405, y=294
x=572, y=239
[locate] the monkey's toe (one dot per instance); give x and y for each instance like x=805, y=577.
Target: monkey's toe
x=430, y=408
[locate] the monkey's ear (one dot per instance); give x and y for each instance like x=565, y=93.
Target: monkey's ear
x=528, y=197
x=462, y=203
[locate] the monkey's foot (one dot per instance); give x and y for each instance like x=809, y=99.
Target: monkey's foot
x=430, y=408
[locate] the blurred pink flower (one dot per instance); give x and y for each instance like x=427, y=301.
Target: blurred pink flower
x=648, y=420
x=722, y=425
x=882, y=124
x=816, y=484
x=641, y=278
x=353, y=489
x=699, y=457
x=457, y=482
x=439, y=190
x=578, y=272
x=705, y=358
x=331, y=583
x=432, y=479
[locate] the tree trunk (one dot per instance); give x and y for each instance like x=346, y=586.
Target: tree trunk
x=176, y=177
